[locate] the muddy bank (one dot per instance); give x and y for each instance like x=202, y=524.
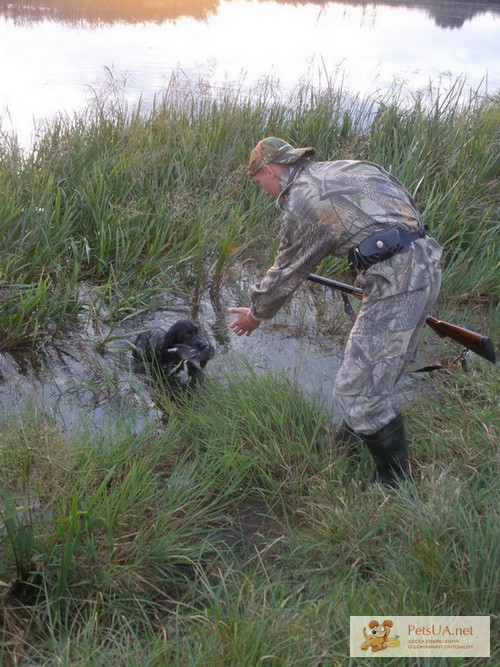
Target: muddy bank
x=88, y=377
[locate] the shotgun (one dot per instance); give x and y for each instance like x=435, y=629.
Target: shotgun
x=481, y=345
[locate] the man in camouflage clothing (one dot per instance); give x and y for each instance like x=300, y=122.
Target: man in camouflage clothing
x=353, y=208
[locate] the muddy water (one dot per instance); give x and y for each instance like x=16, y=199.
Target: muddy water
x=82, y=384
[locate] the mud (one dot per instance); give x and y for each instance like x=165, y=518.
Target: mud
x=88, y=377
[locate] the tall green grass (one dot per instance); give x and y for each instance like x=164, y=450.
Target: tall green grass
x=234, y=535
x=231, y=533
x=139, y=201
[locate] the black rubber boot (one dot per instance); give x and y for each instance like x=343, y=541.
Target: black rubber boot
x=389, y=449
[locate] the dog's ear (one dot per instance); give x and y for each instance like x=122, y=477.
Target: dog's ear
x=387, y=624
x=373, y=624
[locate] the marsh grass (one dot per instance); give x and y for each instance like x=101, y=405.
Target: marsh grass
x=141, y=548
x=138, y=201
x=231, y=533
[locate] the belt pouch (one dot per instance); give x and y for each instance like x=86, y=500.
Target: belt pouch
x=377, y=247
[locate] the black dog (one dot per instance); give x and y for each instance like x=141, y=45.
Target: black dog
x=179, y=348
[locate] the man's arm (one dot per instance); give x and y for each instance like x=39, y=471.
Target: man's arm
x=303, y=245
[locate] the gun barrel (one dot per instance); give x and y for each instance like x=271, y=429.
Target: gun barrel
x=342, y=287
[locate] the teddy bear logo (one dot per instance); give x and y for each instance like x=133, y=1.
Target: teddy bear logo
x=377, y=637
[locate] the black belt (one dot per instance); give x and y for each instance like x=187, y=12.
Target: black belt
x=382, y=245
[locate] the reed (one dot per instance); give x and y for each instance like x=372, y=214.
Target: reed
x=136, y=201
x=235, y=533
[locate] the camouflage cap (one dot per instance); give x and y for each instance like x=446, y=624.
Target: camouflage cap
x=273, y=149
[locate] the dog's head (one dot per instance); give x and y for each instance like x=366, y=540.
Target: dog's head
x=181, y=347
x=183, y=332
x=183, y=344
x=380, y=630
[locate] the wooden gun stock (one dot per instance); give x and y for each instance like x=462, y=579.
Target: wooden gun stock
x=477, y=343
x=482, y=345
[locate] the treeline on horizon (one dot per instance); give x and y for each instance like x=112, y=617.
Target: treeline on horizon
x=446, y=13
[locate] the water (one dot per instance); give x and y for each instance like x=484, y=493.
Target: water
x=55, y=54
x=79, y=384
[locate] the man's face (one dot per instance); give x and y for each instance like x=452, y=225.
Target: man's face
x=269, y=179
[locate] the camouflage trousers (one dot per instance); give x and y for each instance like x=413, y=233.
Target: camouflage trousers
x=398, y=294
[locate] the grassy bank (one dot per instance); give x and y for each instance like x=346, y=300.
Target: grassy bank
x=132, y=203
x=230, y=533
x=235, y=536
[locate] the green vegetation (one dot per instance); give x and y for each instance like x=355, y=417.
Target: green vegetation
x=230, y=533
x=234, y=536
x=126, y=202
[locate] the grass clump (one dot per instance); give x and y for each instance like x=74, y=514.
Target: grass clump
x=132, y=200
x=235, y=534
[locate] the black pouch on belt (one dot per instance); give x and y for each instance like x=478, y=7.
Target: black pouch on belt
x=381, y=245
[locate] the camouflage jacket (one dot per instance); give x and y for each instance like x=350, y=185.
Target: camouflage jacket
x=328, y=208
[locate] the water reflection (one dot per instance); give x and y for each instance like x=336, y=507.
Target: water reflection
x=60, y=52
x=445, y=13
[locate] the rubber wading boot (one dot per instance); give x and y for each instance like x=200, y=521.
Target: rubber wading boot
x=389, y=449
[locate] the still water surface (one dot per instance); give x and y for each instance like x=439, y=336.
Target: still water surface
x=55, y=53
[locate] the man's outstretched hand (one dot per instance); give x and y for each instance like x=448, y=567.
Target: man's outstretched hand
x=244, y=324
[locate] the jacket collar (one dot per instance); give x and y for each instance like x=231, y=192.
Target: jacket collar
x=292, y=177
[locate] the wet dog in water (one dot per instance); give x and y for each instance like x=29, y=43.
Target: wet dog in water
x=179, y=348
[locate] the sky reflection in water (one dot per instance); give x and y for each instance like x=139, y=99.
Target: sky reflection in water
x=51, y=64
